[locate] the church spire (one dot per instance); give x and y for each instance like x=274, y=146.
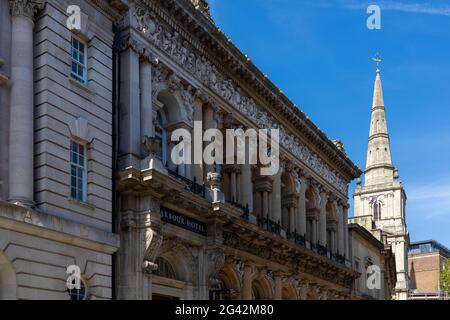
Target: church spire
x=379, y=167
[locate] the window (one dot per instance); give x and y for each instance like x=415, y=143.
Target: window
x=377, y=211
x=79, y=60
x=78, y=174
x=164, y=269
x=161, y=135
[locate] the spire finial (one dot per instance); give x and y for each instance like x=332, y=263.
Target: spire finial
x=377, y=59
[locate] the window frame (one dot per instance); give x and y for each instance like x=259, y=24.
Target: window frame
x=83, y=65
x=84, y=171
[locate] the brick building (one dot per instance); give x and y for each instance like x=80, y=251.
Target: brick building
x=425, y=261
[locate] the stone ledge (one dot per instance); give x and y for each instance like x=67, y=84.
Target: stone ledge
x=43, y=225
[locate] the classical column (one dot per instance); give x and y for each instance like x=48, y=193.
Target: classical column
x=301, y=221
x=341, y=231
x=292, y=219
x=21, y=137
x=247, y=282
x=145, y=85
x=323, y=218
x=247, y=186
x=276, y=198
x=265, y=203
x=208, y=123
x=345, y=224
x=130, y=128
x=233, y=189
x=278, y=286
x=197, y=167
x=314, y=231
x=333, y=241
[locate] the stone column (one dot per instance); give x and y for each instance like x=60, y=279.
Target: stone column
x=197, y=167
x=341, y=230
x=345, y=225
x=247, y=187
x=278, y=286
x=208, y=123
x=247, y=282
x=265, y=203
x=333, y=241
x=130, y=129
x=145, y=84
x=314, y=231
x=323, y=218
x=233, y=193
x=292, y=219
x=301, y=221
x=275, y=215
x=21, y=137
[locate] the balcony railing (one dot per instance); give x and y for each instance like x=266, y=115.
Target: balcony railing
x=192, y=186
x=246, y=214
x=339, y=258
x=269, y=225
x=297, y=238
x=323, y=250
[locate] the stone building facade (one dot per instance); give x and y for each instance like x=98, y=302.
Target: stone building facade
x=56, y=149
x=87, y=177
x=264, y=237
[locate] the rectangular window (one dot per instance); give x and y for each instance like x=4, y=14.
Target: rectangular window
x=79, y=60
x=78, y=172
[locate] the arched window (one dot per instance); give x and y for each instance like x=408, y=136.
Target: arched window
x=377, y=211
x=165, y=269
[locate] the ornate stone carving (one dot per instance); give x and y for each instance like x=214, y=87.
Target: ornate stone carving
x=187, y=56
x=188, y=99
x=26, y=8
x=151, y=145
x=153, y=242
x=216, y=260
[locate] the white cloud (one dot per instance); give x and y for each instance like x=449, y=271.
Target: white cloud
x=424, y=8
x=430, y=200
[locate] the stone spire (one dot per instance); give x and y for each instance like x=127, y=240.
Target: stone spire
x=379, y=167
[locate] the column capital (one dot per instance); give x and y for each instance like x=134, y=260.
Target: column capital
x=145, y=56
x=26, y=8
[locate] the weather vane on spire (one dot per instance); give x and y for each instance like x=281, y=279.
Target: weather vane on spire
x=377, y=59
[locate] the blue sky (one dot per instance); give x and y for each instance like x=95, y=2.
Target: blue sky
x=319, y=53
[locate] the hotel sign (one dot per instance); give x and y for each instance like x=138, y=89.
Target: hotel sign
x=182, y=221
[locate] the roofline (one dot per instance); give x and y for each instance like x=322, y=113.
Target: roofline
x=366, y=234
x=437, y=243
